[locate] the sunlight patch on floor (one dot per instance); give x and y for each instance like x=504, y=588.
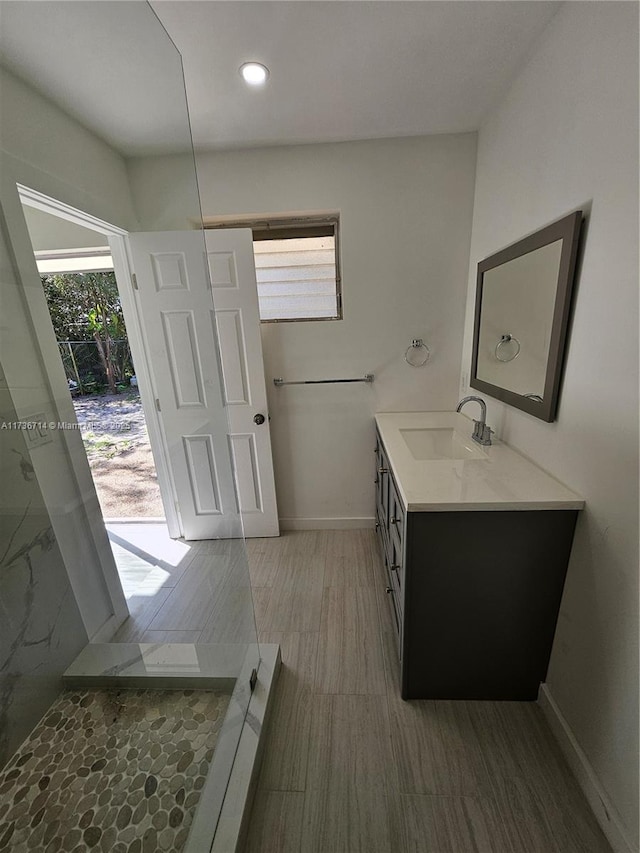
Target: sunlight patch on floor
x=145, y=556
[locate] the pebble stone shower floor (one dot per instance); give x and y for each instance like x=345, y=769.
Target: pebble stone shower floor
x=111, y=771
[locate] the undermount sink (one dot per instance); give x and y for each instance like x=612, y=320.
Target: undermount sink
x=441, y=443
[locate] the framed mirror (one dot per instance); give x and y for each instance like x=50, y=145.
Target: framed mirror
x=523, y=298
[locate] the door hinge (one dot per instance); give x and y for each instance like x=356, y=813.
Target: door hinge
x=134, y=281
x=253, y=680
x=158, y=407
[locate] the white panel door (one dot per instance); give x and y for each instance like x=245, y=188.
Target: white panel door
x=235, y=296
x=178, y=321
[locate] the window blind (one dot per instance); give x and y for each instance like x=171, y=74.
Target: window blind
x=296, y=278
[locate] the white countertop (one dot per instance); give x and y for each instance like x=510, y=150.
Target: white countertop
x=499, y=478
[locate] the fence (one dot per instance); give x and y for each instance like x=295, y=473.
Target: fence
x=85, y=369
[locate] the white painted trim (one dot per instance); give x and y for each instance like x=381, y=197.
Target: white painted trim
x=601, y=805
x=327, y=523
x=62, y=254
x=33, y=198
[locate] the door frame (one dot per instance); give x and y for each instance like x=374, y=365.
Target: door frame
x=118, y=243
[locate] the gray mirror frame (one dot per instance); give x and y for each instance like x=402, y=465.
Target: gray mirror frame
x=568, y=230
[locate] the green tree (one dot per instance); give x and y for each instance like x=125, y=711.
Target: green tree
x=85, y=307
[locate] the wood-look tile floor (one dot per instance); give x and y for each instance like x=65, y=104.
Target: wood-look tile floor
x=179, y=591
x=350, y=767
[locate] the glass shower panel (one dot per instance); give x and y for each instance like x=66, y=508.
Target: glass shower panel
x=93, y=113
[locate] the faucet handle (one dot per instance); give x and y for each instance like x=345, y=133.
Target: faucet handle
x=484, y=435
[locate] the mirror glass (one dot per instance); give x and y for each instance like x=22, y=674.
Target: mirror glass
x=522, y=306
x=517, y=314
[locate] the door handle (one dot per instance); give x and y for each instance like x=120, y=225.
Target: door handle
x=258, y=419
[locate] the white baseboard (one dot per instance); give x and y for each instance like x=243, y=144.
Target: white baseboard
x=326, y=523
x=602, y=807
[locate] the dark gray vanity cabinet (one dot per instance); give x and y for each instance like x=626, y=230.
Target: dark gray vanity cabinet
x=390, y=524
x=474, y=594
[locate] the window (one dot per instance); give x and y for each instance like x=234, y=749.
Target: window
x=297, y=268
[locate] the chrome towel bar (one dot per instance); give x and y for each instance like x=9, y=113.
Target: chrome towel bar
x=368, y=377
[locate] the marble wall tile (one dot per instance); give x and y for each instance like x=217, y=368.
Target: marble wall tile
x=41, y=630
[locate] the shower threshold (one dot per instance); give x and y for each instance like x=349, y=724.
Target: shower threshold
x=149, y=748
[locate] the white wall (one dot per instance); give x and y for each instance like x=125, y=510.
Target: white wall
x=47, y=150
x=566, y=136
x=49, y=232
x=44, y=149
x=405, y=212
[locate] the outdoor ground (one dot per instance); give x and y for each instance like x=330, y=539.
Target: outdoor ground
x=115, y=437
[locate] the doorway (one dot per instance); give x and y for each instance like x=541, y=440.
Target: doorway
x=199, y=368
x=78, y=278
x=86, y=312
x=211, y=451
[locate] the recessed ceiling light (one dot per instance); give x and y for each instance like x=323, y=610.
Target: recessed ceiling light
x=254, y=73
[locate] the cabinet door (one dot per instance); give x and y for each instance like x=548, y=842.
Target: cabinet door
x=380, y=533
x=383, y=474
x=396, y=514
x=378, y=479
x=396, y=542
x=396, y=572
x=382, y=480
x=393, y=597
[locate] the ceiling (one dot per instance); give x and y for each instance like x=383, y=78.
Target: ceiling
x=108, y=64
x=340, y=70
x=347, y=70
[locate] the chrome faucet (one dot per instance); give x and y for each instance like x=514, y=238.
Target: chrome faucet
x=481, y=432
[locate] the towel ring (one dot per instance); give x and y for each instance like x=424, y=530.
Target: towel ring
x=420, y=361
x=506, y=356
